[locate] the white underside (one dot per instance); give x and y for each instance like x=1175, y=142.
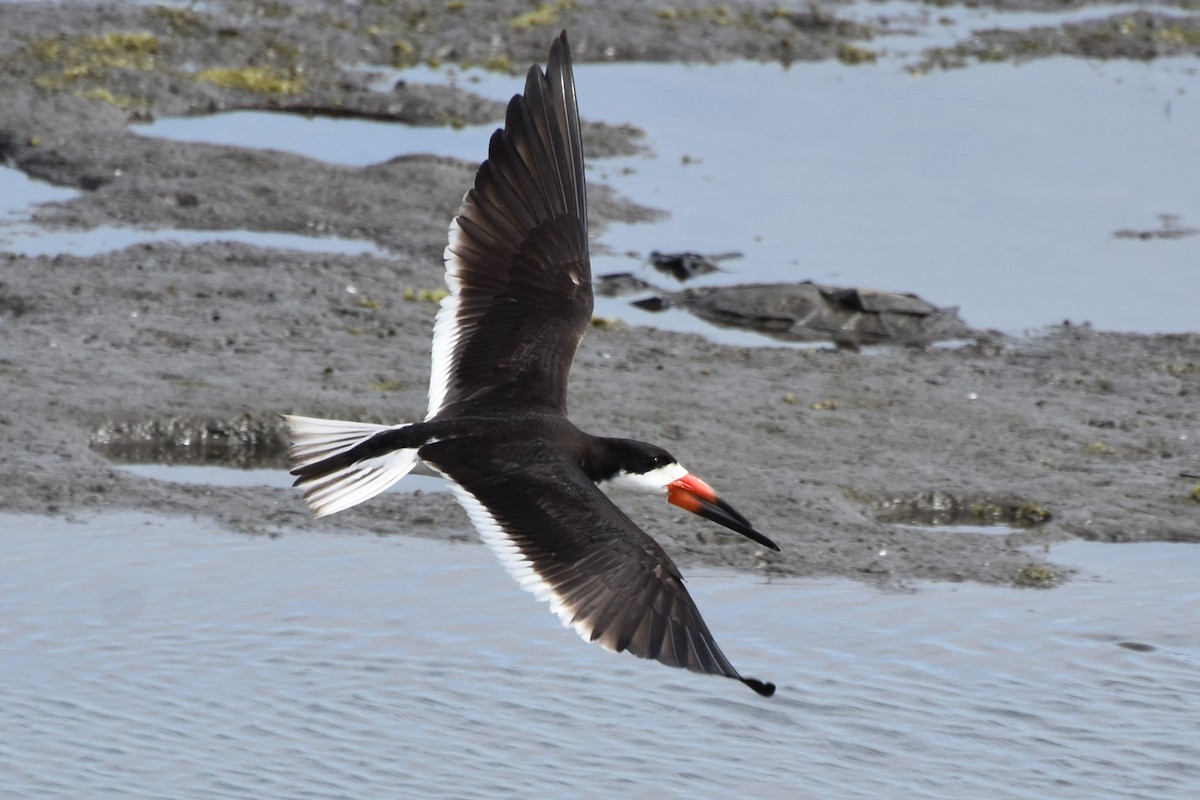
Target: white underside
x=315, y=439
x=514, y=561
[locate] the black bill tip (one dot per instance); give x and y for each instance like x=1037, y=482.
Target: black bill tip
x=722, y=513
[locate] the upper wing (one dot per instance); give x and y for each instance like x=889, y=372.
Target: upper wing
x=517, y=262
x=565, y=541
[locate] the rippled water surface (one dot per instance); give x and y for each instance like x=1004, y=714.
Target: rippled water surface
x=154, y=657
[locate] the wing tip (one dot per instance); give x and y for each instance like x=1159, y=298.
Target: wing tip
x=560, y=52
x=764, y=688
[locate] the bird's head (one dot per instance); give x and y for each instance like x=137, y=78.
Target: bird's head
x=650, y=469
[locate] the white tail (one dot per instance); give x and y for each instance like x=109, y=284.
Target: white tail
x=315, y=440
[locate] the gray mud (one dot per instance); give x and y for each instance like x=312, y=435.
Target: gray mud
x=169, y=353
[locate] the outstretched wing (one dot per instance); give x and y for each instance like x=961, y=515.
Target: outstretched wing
x=565, y=541
x=517, y=262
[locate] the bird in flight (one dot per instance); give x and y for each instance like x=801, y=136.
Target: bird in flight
x=496, y=428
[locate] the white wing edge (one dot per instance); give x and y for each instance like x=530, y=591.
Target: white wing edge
x=445, y=327
x=514, y=561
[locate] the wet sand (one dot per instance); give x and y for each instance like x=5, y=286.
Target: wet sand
x=168, y=353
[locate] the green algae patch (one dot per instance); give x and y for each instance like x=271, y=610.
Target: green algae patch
x=1025, y=515
x=544, y=15
x=499, y=63
x=257, y=80
x=1177, y=37
x=607, y=324
x=403, y=54
x=1188, y=368
x=1034, y=576
x=1031, y=514
x=122, y=50
x=181, y=21
x=424, y=295
x=942, y=508
x=852, y=55
x=102, y=94
x=717, y=15
x=69, y=59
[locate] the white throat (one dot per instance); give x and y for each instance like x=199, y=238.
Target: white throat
x=653, y=482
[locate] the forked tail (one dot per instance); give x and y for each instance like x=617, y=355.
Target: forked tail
x=340, y=464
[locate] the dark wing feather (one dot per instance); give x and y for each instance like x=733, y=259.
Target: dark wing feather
x=564, y=540
x=517, y=262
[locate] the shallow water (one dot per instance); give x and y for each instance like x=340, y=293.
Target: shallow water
x=354, y=142
x=997, y=189
x=30, y=240
x=153, y=657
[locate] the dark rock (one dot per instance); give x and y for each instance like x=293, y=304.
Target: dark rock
x=619, y=284
x=685, y=266
x=811, y=312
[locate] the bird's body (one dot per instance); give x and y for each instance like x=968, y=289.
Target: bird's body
x=496, y=427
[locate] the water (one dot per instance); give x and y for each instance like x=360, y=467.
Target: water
x=19, y=194
x=996, y=189
x=32, y=241
x=152, y=657
x=951, y=529
x=353, y=142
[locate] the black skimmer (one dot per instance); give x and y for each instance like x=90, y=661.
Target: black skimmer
x=520, y=302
